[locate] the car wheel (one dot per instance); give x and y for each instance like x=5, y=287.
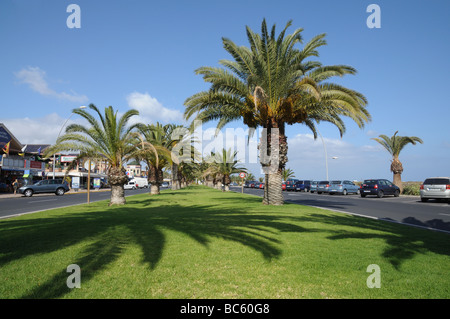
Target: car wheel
x=363, y=195
x=380, y=194
x=319, y=192
x=344, y=192
x=60, y=191
x=28, y=193
x=397, y=193
x=424, y=199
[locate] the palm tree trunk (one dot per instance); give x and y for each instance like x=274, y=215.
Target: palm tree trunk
x=117, y=195
x=397, y=169
x=175, y=180
x=153, y=179
x=397, y=180
x=266, y=189
x=117, y=177
x=273, y=193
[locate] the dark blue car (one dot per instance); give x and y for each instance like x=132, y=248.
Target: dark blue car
x=303, y=186
x=379, y=187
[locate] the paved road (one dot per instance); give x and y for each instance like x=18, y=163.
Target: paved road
x=10, y=207
x=404, y=209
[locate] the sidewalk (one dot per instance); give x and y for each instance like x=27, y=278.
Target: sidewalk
x=18, y=195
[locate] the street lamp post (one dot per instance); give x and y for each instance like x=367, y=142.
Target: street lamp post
x=325, y=150
x=54, y=155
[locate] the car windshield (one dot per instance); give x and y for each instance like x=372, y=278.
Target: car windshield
x=437, y=181
x=370, y=182
x=323, y=182
x=336, y=182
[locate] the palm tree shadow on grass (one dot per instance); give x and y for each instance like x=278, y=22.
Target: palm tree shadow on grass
x=110, y=230
x=403, y=242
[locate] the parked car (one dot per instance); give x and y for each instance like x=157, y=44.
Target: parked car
x=379, y=187
x=313, y=187
x=164, y=184
x=283, y=186
x=261, y=185
x=435, y=188
x=57, y=186
x=343, y=187
x=249, y=184
x=290, y=184
x=256, y=185
x=130, y=185
x=322, y=187
x=302, y=186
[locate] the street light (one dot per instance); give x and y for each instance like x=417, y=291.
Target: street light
x=54, y=155
x=325, y=150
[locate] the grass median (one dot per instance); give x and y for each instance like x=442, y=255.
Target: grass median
x=203, y=243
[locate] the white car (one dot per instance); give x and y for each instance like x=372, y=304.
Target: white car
x=130, y=185
x=435, y=188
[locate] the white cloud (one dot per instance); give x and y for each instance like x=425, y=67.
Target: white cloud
x=42, y=130
x=151, y=110
x=35, y=78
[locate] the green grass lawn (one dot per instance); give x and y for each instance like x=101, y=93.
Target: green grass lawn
x=202, y=243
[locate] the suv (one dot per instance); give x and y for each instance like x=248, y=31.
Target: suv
x=290, y=184
x=435, y=188
x=57, y=186
x=302, y=186
x=379, y=187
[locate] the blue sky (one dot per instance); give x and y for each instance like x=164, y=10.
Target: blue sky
x=142, y=54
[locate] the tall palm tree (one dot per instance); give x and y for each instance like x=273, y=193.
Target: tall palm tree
x=271, y=84
x=394, y=146
x=110, y=138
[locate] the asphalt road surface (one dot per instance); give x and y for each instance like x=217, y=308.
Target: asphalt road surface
x=404, y=209
x=10, y=207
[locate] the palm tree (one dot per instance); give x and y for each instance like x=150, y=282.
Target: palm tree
x=394, y=146
x=159, y=156
x=222, y=166
x=109, y=139
x=270, y=85
x=288, y=173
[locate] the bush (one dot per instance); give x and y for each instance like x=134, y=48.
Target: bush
x=412, y=189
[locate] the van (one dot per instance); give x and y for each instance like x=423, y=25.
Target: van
x=130, y=185
x=141, y=182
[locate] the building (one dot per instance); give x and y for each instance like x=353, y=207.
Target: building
x=134, y=170
x=18, y=161
x=25, y=163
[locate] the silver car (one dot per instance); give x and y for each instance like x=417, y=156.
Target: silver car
x=435, y=188
x=343, y=187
